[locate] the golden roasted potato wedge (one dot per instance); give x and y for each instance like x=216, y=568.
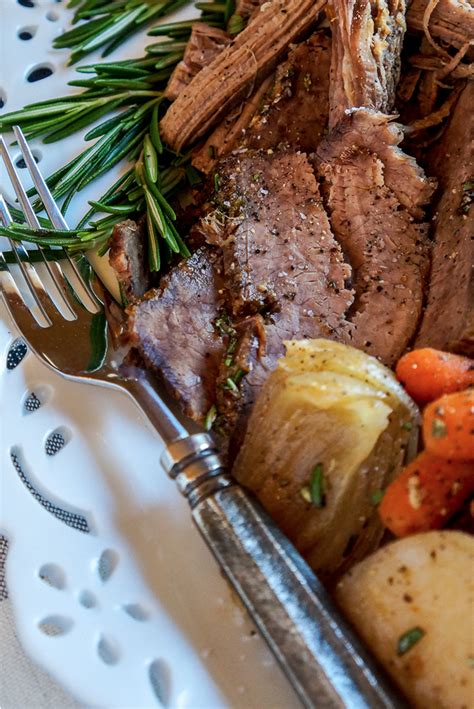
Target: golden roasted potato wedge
x=413, y=603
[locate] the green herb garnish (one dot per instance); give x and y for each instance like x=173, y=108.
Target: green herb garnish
x=316, y=486
x=407, y=425
x=438, y=428
x=409, y=639
x=231, y=385
x=314, y=492
x=377, y=497
x=210, y=418
x=236, y=24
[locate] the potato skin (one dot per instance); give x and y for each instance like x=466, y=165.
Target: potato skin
x=423, y=581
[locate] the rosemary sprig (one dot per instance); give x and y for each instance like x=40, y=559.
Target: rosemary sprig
x=128, y=95
x=109, y=24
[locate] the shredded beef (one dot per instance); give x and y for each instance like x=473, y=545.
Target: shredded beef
x=203, y=46
x=230, y=77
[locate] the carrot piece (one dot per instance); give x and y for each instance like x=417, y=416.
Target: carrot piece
x=448, y=426
x=427, y=374
x=426, y=494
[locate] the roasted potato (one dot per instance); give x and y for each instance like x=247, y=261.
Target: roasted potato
x=327, y=434
x=413, y=603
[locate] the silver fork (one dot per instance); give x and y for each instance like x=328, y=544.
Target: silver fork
x=324, y=661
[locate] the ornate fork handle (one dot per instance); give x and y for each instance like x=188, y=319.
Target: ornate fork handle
x=325, y=662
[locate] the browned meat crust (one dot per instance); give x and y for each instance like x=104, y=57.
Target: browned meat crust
x=367, y=41
x=128, y=258
x=174, y=332
x=451, y=21
x=448, y=322
x=231, y=75
x=203, y=46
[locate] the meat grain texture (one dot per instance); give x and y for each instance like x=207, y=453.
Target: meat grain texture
x=173, y=330
x=448, y=322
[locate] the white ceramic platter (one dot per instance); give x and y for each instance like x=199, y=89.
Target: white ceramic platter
x=114, y=592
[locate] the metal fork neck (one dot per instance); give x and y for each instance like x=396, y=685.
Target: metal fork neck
x=165, y=421
x=190, y=457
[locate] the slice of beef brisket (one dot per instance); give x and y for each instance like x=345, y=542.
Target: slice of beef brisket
x=128, y=258
x=284, y=271
x=252, y=56
x=375, y=202
x=173, y=329
x=449, y=21
x=448, y=321
x=295, y=111
x=367, y=41
x=279, y=254
x=204, y=44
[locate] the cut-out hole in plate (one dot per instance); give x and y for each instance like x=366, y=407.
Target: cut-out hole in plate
x=16, y=353
x=160, y=680
x=136, y=611
x=56, y=440
x=108, y=650
x=20, y=161
x=32, y=403
x=52, y=16
x=53, y=575
x=107, y=564
x=55, y=625
x=71, y=518
x=26, y=3
x=87, y=599
x=33, y=400
x=3, y=98
x=40, y=72
x=27, y=33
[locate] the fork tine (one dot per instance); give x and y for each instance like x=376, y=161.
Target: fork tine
x=53, y=268
x=40, y=298
x=20, y=313
x=90, y=300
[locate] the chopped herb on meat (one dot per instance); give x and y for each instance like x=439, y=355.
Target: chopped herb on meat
x=409, y=639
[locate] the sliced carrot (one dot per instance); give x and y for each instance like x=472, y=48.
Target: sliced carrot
x=427, y=374
x=426, y=494
x=448, y=426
